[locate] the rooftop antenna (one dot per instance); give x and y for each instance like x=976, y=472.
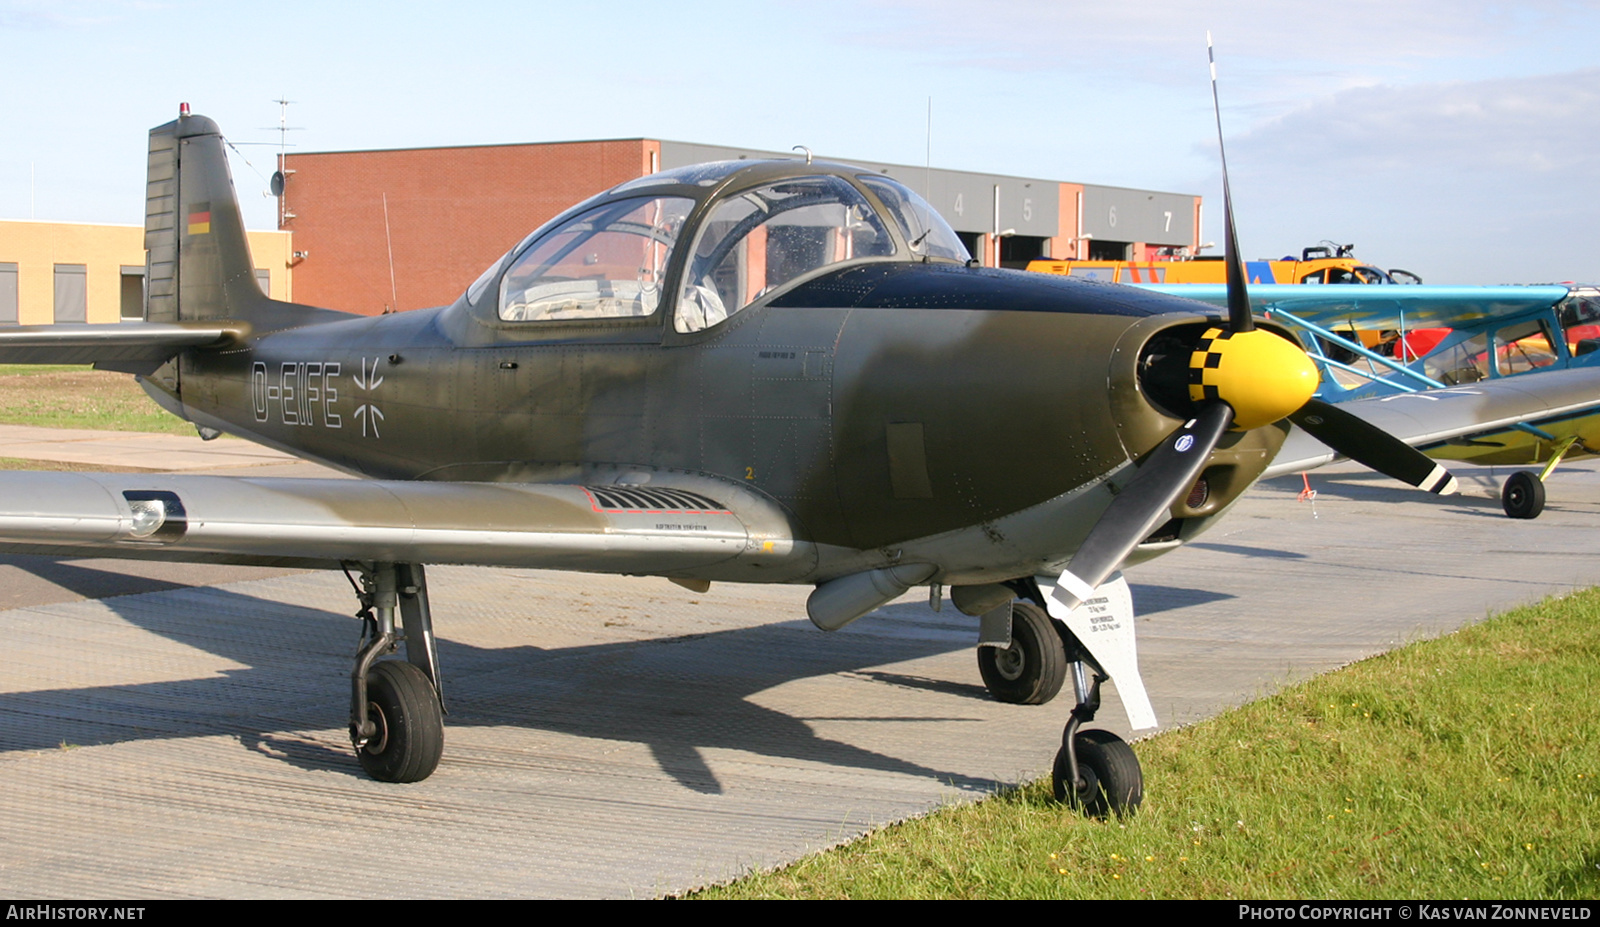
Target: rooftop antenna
x=281, y=175
x=394, y=297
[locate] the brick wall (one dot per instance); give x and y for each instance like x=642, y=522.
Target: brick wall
x=452, y=211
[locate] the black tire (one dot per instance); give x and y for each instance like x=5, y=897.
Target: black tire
x=1523, y=495
x=409, y=739
x=1113, y=781
x=1032, y=669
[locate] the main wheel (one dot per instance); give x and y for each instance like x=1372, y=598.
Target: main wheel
x=1113, y=782
x=1032, y=669
x=1523, y=495
x=409, y=735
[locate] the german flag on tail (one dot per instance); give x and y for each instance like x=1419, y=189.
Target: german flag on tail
x=200, y=219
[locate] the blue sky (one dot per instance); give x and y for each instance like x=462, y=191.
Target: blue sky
x=1455, y=139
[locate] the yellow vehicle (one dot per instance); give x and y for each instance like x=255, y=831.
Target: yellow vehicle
x=1318, y=264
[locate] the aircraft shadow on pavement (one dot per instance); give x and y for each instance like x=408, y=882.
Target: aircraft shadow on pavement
x=1150, y=599
x=1247, y=551
x=1362, y=486
x=678, y=695
x=88, y=582
x=1372, y=487
x=1366, y=486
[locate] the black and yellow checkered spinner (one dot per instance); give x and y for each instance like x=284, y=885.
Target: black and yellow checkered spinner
x=1263, y=376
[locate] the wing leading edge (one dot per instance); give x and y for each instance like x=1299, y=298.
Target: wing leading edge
x=319, y=523
x=1377, y=306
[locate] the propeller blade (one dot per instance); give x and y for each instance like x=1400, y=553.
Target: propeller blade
x=1356, y=439
x=1167, y=474
x=1371, y=446
x=1239, y=317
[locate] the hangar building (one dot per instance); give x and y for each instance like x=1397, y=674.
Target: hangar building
x=376, y=231
x=373, y=231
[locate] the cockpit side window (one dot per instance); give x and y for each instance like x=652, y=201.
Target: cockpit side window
x=754, y=242
x=604, y=263
x=1523, y=347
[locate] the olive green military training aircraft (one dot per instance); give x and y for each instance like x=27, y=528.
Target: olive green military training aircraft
x=747, y=371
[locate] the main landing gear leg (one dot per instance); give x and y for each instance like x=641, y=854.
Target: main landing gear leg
x=1523, y=493
x=396, y=710
x=1095, y=769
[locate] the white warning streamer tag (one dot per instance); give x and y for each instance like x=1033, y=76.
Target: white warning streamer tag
x=1104, y=623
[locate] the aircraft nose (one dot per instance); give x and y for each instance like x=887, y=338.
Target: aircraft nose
x=1261, y=375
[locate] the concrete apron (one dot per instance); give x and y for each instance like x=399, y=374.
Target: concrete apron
x=615, y=737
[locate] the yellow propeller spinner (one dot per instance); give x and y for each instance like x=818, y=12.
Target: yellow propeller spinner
x=1262, y=376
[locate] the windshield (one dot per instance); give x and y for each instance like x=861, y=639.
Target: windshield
x=926, y=230
x=605, y=262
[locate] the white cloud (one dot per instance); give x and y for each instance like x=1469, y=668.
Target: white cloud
x=1539, y=124
x=1466, y=182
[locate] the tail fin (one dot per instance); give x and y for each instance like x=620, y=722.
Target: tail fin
x=199, y=259
x=200, y=264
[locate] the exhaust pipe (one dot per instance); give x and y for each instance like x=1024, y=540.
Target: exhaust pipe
x=838, y=602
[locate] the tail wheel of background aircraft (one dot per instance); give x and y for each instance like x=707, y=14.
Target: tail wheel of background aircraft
x=409, y=736
x=1112, y=782
x=1523, y=495
x=1032, y=669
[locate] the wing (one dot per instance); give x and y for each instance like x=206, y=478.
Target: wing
x=674, y=524
x=1431, y=416
x=1377, y=306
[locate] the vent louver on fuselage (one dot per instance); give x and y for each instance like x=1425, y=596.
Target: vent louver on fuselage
x=636, y=499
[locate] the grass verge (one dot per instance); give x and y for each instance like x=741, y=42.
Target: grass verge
x=81, y=397
x=1466, y=767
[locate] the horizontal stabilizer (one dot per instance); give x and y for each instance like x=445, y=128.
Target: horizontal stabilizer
x=83, y=343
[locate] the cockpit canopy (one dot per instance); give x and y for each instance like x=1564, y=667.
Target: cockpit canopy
x=709, y=240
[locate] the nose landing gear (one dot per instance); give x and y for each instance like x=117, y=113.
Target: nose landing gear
x=1095, y=770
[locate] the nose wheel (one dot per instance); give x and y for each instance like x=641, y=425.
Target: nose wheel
x=1108, y=781
x=1095, y=771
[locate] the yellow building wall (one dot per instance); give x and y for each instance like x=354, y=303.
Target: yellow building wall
x=37, y=247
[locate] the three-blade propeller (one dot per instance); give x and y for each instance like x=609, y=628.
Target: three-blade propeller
x=1240, y=377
